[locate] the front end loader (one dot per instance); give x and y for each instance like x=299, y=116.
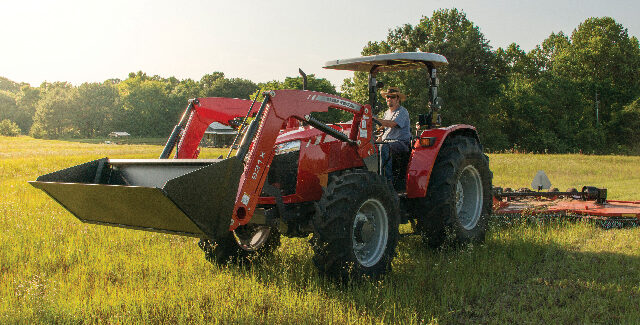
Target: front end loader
x=198, y=197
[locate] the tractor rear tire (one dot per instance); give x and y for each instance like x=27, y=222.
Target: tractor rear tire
x=458, y=203
x=356, y=226
x=247, y=243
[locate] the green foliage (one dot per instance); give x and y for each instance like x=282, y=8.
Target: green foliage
x=16, y=107
x=144, y=110
x=26, y=100
x=545, y=55
x=547, y=100
x=187, y=89
x=19, y=106
x=603, y=56
x=56, y=111
x=313, y=84
x=217, y=85
x=8, y=107
x=232, y=88
x=514, y=60
x=544, y=114
x=603, y=60
x=208, y=81
x=626, y=123
x=8, y=85
x=98, y=103
x=9, y=128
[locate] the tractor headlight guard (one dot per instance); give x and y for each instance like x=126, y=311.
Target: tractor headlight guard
x=287, y=147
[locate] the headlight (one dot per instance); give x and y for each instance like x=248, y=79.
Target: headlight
x=288, y=147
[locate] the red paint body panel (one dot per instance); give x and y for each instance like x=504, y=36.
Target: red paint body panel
x=422, y=159
x=320, y=154
x=284, y=104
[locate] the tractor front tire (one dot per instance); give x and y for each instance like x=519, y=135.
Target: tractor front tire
x=247, y=243
x=458, y=203
x=356, y=226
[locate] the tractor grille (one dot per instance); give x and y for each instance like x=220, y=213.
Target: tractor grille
x=283, y=173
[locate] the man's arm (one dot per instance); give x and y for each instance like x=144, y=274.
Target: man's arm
x=387, y=123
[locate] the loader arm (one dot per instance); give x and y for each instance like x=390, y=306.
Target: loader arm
x=276, y=110
x=207, y=111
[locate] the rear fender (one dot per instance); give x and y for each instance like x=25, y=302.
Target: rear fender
x=423, y=159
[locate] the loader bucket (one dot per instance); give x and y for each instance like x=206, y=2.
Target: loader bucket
x=192, y=197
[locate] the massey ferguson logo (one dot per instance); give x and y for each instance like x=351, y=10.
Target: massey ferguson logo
x=332, y=100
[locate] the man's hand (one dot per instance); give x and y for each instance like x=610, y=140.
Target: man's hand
x=378, y=132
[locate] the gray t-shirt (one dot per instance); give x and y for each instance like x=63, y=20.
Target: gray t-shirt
x=402, y=131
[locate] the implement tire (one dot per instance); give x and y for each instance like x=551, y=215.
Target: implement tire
x=356, y=226
x=245, y=244
x=458, y=203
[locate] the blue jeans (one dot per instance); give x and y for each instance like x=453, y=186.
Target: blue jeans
x=388, y=149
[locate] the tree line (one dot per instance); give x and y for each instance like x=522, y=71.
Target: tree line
x=578, y=92
x=142, y=105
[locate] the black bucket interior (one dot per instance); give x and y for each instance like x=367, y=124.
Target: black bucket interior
x=192, y=197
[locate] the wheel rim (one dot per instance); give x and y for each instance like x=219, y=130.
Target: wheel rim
x=469, y=197
x=251, y=238
x=370, y=232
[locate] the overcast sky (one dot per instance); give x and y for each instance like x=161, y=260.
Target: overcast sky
x=88, y=41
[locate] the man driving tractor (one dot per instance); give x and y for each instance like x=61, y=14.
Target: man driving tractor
x=397, y=134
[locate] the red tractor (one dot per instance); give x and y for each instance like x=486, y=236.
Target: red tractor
x=293, y=175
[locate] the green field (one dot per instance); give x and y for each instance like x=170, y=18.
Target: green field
x=54, y=268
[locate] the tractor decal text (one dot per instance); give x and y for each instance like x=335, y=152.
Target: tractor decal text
x=256, y=169
x=332, y=100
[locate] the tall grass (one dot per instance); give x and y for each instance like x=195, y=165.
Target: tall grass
x=54, y=268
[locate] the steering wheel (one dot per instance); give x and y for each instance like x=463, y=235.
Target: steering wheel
x=379, y=130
